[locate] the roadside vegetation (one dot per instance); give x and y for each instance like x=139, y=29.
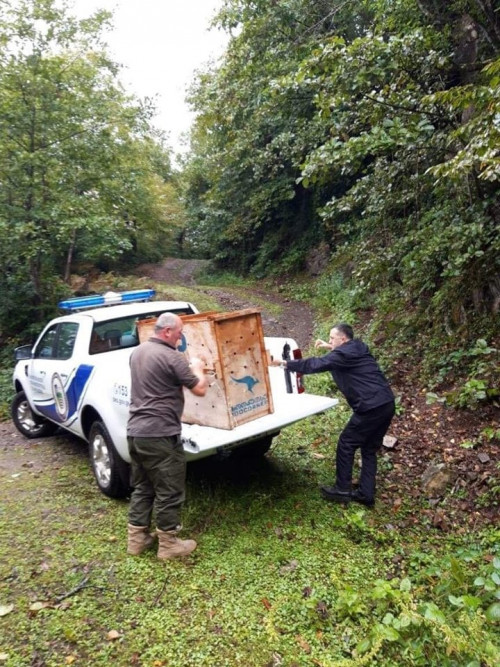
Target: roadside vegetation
x=280, y=576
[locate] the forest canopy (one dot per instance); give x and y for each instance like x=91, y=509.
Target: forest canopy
x=84, y=176
x=368, y=131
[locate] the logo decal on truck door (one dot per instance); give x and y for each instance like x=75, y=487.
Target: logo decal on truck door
x=65, y=399
x=60, y=399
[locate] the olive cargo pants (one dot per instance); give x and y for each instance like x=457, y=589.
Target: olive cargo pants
x=158, y=478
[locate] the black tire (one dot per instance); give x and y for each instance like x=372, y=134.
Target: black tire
x=27, y=422
x=111, y=472
x=256, y=448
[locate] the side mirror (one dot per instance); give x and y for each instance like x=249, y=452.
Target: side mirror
x=23, y=352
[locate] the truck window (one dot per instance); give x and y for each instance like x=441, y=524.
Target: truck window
x=46, y=346
x=66, y=340
x=58, y=342
x=120, y=333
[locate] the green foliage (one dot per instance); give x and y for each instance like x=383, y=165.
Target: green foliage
x=372, y=128
x=6, y=391
x=337, y=297
x=249, y=141
x=82, y=171
x=480, y=365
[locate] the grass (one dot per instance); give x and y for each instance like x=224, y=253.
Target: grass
x=279, y=576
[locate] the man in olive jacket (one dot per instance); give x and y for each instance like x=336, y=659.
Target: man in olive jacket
x=359, y=378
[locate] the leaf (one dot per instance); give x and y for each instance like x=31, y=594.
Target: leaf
x=456, y=602
x=363, y=646
x=433, y=613
x=266, y=603
x=303, y=644
x=396, y=504
x=37, y=606
x=493, y=613
x=405, y=585
x=6, y=609
x=113, y=635
x=471, y=601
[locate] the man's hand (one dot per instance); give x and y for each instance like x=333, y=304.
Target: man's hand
x=321, y=343
x=277, y=362
x=197, y=364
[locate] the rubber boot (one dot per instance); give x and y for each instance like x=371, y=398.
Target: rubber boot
x=139, y=539
x=170, y=546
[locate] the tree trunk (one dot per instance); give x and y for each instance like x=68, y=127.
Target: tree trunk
x=69, y=257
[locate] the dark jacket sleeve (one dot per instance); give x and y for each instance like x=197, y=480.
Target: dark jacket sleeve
x=313, y=364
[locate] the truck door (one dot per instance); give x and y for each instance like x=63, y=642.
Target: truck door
x=51, y=370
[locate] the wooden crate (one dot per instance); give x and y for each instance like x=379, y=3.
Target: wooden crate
x=145, y=328
x=232, y=346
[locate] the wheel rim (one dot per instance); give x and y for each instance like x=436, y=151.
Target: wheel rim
x=101, y=460
x=27, y=419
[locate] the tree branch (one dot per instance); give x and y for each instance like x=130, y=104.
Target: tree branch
x=81, y=585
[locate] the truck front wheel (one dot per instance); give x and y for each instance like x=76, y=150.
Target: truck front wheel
x=110, y=470
x=27, y=422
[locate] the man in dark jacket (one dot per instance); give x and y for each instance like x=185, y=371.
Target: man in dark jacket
x=359, y=378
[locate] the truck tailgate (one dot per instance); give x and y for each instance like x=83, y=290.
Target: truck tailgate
x=288, y=408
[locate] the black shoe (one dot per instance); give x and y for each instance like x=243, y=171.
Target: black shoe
x=335, y=495
x=358, y=497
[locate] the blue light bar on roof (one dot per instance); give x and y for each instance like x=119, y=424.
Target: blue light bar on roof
x=108, y=299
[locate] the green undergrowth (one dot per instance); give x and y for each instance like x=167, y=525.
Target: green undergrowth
x=279, y=576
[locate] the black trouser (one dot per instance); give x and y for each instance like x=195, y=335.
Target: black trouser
x=365, y=430
x=158, y=475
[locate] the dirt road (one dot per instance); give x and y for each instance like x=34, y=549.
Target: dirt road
x=282, y=317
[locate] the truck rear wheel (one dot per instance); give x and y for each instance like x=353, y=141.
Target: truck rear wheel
x=110, y=470
x=256, y=448
x=27, y=422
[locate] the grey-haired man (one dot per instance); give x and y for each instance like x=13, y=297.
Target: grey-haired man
x=158, y=374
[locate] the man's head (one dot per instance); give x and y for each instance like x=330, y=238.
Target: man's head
x=340, y=334
x=168, y=327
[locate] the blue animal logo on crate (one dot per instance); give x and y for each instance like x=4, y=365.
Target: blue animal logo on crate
x=248, y=380
x=182, y=346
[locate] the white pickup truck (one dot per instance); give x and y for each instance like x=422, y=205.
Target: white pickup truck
x=76, y=376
